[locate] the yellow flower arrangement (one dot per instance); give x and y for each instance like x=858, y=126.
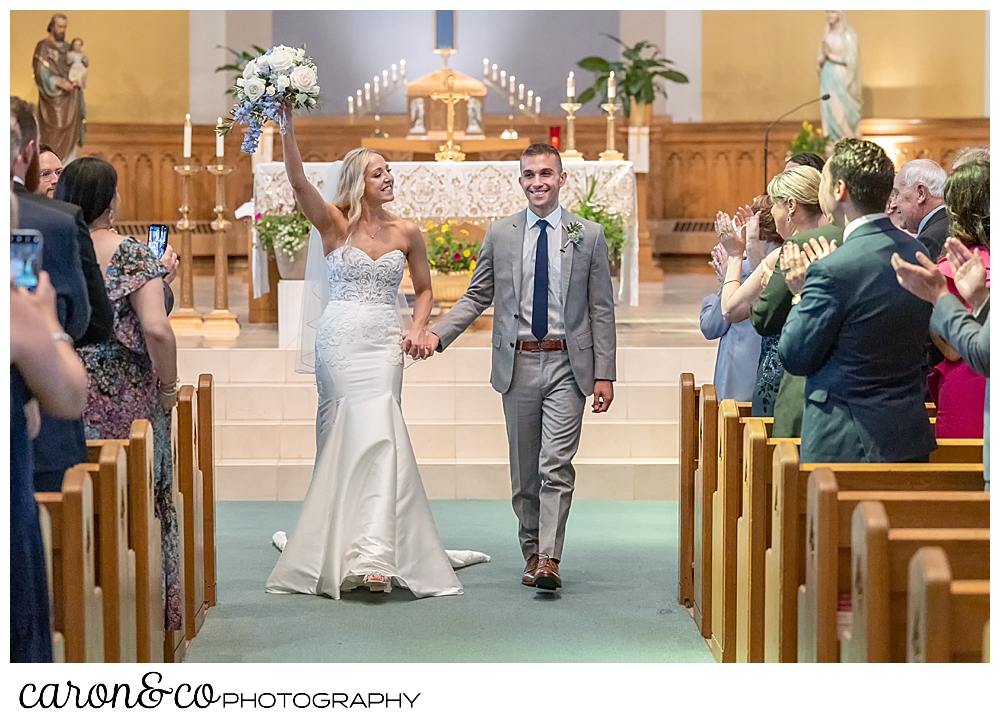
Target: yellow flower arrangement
x=449, y=251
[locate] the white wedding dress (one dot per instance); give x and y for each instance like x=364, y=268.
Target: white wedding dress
x=366, y=510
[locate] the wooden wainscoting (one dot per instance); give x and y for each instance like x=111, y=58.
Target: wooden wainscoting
x=695, y=168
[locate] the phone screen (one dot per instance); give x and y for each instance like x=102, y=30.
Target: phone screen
x=25, y=257
x=158, y=238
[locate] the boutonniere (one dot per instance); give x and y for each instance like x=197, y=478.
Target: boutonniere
x=574, y=234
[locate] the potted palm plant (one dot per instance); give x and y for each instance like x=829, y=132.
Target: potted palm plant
x=639, y=79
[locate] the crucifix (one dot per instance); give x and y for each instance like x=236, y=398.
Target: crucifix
x=449, y=151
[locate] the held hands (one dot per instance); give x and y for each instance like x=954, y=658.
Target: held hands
x=420, y=344
x=922, y=279
x=969, y=272
x=604, y=394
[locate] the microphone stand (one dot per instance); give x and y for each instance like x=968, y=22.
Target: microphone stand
x=767, y=133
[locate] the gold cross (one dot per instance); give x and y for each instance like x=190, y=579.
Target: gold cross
x=449, y=151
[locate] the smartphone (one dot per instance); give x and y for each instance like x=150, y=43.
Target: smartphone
x=158, y=238
x=26, y=257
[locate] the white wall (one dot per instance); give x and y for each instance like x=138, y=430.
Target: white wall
x=683, y=46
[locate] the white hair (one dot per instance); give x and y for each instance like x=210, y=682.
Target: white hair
x=927, y=172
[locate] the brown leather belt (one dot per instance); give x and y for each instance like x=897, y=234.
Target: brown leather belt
x=544, y=345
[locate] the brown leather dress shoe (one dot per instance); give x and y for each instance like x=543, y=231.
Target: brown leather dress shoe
x=547, y=573
x=528, y=578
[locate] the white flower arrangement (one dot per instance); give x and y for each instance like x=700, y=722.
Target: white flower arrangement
x=280, y=74
x=574, y=234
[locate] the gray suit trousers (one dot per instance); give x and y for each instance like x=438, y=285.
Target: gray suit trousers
x=544, y=413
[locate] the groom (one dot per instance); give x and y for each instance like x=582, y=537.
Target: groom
x=546, y=272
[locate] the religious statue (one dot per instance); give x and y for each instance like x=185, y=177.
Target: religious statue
x=840, y=77
x=474, y=109
x=417, y=117
x=61, y=112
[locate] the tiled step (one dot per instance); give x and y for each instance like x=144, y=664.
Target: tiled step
x=596, y=478
x=446, y=440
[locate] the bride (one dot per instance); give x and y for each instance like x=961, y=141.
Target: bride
x=365, y=520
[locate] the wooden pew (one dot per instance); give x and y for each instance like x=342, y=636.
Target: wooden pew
x=705, y=480
x=77, y=600
x=986, y=642
x=189, y=481
x=145, y=539
x=725, y=512
x=206, y=464
x=784, y=560
x=880, y=557
x=175, y=641
x=688, y=463
x=944, y=616
x=828, y=536
x=115, y=568
x=58, y=641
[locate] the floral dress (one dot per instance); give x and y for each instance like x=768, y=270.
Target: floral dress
x=121, y=388
x=769, y=373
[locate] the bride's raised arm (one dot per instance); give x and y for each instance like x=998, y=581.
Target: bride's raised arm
x=322, y=215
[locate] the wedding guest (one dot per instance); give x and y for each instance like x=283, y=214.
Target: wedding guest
x=966, y=331
x=970, y=153
x=798, y=218
x=805, y=159
x=856, y=335
x=957, y=390
x=758, y=240
x=918, y=193
x=739, y=344
x=49, y=169
x=133, y=375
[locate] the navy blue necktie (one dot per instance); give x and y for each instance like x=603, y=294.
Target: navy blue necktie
x=540, y=300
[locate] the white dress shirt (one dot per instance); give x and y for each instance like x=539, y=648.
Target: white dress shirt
x=853, y=225
x=557, y=326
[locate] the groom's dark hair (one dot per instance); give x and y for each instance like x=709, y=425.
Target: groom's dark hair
x=543, y=149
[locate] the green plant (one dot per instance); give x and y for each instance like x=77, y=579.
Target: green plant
x=282, y=233
x=239, y=62
x=450, y=253
x=809, y=140
x=638, y=79
x=614, y=225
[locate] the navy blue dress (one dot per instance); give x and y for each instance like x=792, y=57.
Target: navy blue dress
x=30, y=635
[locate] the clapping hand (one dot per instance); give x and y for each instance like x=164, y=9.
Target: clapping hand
x=969, y=272
x=795, y=261
x=922, y=279
x=719, y=260
x=729, y=236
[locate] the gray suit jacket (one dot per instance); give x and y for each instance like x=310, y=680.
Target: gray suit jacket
x=588, y=300
x=970, y=337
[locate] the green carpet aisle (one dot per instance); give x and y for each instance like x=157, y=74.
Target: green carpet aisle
x=617, y=604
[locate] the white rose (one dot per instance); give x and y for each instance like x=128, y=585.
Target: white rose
x=239, y=82
x=271, y=90
x=282, y=82
x=303, y=78
x=280, y=59
x=249, y=70
x=300, y=55
x=254, y=88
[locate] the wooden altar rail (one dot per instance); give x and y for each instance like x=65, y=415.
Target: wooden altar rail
x=695, y=168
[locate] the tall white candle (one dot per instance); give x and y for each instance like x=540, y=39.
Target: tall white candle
x=394, y=77
x=538, y=104
x=385, y=78
x=187, y=135
x=570, y=87
x=611, y=87
x=494, y=72
x=359, y=100
x=486, y=67
x=368, y=92
x=402, y=69
x=511, y=84
x=520, y=92
x=220, y=142
x=376, y=86
x=350, y=105
x=503, y=78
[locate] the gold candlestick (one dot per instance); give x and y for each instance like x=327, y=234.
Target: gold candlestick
x=449, y=151
x=571, y=154
x=221, y=322
x=611, y=154
x=186, y=319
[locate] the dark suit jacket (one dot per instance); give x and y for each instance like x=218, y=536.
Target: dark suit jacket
x=934, y=234
x=858, y=336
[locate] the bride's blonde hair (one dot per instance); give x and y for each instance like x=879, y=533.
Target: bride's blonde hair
x=351, y=186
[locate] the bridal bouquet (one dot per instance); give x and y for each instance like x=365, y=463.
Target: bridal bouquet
x=280, y=74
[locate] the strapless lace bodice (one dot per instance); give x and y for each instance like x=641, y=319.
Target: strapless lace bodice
x=354, y=276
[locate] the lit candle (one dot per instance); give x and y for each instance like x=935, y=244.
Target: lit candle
x=570, y=87
x=368, y=92
x=538, y=104
x=220, y=142
x=494, y=72
x=520, y=92
x=385, y=78
x=486, y=67
x=611, y=87
x=402, y=69
x=359, y=101
x=187, y=135
x=511, y=84
x=350, y=105
x=531, y=98
x=503, y=78
x=376, y=86
x=394, y=73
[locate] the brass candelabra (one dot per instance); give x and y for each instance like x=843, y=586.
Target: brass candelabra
x=186, y=319
x=571, y=154
x=611, y=154
x=221, y=322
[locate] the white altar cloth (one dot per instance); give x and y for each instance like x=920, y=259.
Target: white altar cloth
x=478, y=192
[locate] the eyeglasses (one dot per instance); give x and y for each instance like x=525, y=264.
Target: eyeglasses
x=51, y=172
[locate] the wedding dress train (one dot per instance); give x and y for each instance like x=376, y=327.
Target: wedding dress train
x=366, y=511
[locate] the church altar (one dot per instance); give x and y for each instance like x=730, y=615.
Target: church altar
x=477, y=192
